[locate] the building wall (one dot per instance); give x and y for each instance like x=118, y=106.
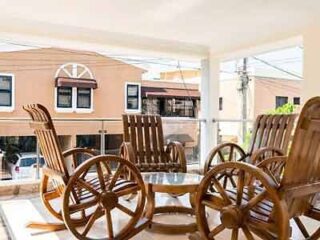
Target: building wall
x=262, y=92
x=34, y=72
x=169, y=84
x=231, y=99
x=176, y=75
x=266, y=90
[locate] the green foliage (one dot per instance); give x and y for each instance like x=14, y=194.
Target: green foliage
x=284, y=109
x=247, y=139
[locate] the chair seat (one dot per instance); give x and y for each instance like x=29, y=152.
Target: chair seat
x=121, y=187
x=158, y=167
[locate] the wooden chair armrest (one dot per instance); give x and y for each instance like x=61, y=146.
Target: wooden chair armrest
x=127, y=152
x=273, y=167
x=53, y=174
x=74, y=151
x=181, y=157
x=301, y=190
x=260, y=154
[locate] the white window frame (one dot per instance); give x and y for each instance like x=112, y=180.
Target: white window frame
x=74, y=107
x=13, y=94
x=139, y=98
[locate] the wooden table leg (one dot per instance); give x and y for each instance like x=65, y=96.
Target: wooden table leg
x=151, y=210
x=150, y=207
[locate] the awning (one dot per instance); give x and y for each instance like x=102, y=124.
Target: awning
x=76, y=82
x=169, y=92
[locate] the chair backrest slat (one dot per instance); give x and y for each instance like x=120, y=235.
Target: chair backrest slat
x=160, y=139
x=145, y=134
x=154, y=140
x=140, y=148
x=272, y=131
x=303, y=164
x=47, y=137
x=147, y=138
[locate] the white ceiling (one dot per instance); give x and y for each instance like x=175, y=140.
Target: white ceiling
x=221, y=25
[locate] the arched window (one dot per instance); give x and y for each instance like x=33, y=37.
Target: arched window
x=74, y=88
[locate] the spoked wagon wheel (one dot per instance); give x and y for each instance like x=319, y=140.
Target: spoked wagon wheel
x=175, y=152
x=101, y=199
x=127, y=152
x=51, y=190
x=227, y=152
x=253, y=206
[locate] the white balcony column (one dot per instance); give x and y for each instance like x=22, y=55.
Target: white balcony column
x=311, y=70
x=210, y=75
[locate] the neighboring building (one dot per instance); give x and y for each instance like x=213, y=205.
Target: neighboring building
x=71, y=84
x=170, y=99
x=173, y=100
x=188, y=75
x=84, y=85
x=264, y=94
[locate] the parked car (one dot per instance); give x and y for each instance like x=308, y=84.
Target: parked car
x=25, y=165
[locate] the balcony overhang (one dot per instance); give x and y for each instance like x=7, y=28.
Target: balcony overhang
x=76, y=82
x=169, y=93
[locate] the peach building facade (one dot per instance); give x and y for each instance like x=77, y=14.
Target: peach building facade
x=263, y=95
x=37, y=74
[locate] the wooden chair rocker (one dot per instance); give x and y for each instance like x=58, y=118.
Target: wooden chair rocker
x=89, y=194
x=261, y=205
x=144, y=145
x=270, y=137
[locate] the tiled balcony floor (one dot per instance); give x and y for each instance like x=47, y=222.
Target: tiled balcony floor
x=18, y=211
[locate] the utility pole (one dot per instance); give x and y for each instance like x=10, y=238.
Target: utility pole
x=244, y=83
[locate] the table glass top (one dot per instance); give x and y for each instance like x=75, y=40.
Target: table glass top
x=163, y=178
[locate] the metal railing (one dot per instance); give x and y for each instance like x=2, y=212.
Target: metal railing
x=70, y=130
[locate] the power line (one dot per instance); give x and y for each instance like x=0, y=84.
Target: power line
x=278, y=68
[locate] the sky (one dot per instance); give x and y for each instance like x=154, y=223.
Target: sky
x=285, y=63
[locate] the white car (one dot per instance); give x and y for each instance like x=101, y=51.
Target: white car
x=26, y=166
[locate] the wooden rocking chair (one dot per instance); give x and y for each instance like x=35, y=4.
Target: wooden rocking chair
x=270, y=137
x=260, y=204
x=86, y=192
x=144, y=145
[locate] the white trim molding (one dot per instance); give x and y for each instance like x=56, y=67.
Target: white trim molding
x=13, y=94
x=78, y=70
x=139, y=98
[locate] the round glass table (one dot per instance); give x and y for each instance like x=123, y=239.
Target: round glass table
x=173, y=184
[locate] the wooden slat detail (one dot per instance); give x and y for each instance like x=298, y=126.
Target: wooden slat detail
x=126, y=137
x=274, y=130
x=47, y=137
x=160, y=139
x=303, y=164
x=140, y=139
x=267, y=131
x=146, y=137
x=40, y=126
x=133, y=136
x=288, y=133
x=146, y=125
x=154, y=140
x=260, y=132
x=281, y=130
x=254, y=134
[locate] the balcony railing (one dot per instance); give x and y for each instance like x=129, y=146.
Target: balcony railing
x=21, y=161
